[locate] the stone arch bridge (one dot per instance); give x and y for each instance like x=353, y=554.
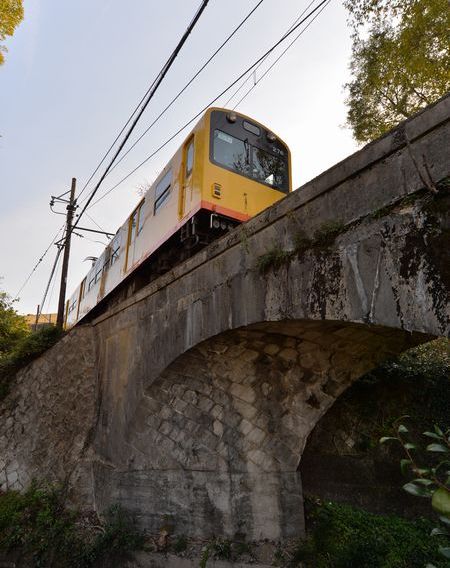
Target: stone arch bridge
x=191, y=401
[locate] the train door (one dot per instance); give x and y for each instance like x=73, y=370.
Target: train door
x=80, y=296
x=186, y=178
x=135, y=224
x=132, y=229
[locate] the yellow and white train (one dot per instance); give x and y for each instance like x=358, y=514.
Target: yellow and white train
x=229, y=168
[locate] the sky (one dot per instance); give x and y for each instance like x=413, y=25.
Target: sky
x=74, y=72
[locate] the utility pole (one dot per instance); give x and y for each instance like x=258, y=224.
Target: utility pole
x=71, y=206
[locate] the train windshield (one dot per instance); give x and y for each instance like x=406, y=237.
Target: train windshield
x=242, y=147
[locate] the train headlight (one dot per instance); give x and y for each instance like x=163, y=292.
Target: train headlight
x=215, y=223
x=231, y=117
x=271, y=137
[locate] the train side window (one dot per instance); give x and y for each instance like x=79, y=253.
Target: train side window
x=162, y=191
x=141, y=217
x=189, y=158
x=115, y=251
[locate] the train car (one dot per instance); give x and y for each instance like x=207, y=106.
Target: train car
x=228, y=169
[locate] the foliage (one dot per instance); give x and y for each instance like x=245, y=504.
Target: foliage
x=274, y=258
x=37, y=525
x=11, y=14
x=429, y=360
x=24, y=350
x=13, y=327
x=400, y=61
x=432, y=479
x=326, y=234
x=344, y=537
x=323, y=238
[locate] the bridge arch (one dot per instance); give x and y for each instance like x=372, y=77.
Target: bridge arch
x=216, y=439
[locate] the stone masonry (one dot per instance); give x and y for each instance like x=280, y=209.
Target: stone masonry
x=219, y=434
x=47, y=420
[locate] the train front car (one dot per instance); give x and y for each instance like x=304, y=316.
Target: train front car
x=242, y=168
x=229, y=169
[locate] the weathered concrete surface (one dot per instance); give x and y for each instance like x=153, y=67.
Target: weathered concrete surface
x=211, y=377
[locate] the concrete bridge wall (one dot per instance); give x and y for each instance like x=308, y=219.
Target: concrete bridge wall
x=209, y=380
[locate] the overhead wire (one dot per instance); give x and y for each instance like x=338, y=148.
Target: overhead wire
x=41, y=258
x=137, y=114
x=281, y=55
x=262, y=62
x=230, y=86
x=144, y=105
x=55, y=264
x=177, y=96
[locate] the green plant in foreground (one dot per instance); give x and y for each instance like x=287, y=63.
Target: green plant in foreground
x=345, y=537
x=37, y=525
x=431, y=481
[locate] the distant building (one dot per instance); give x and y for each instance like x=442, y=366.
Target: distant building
x=44, y=320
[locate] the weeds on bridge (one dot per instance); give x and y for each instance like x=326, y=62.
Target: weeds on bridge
x=323, y=238
x=273, y=259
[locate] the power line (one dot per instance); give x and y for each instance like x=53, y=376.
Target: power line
x=262, y=62
x=43, y=255
x=52, y=273
x=148, y=98
x=188, y=83
x=231, y=85
x=281, y=55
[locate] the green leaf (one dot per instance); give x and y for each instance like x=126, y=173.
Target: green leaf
x=436, y=448
x=417, y=490
x=441, y=501
x=422, y=471
x=445, y=551
x=445, y=520
x=438, y=431
x=404, y=465
x=438, y=532
x=387, y=438
x=409, y=446
x=432, y=435
x=402, y=429
x=422, y=481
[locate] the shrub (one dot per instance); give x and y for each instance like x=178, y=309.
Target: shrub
x=38, y=525
x=344, y=537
